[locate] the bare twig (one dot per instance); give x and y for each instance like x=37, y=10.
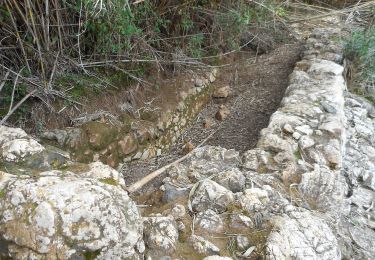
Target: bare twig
x=5, y=118
x=139, y=184
x=13, y=91
x=4, y=80
x=53, y=72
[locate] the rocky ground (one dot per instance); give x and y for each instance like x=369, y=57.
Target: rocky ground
x=306, y=191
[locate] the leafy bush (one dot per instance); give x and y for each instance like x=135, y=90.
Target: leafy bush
x=360, y=48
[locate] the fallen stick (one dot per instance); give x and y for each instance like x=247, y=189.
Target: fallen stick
x=139, y=184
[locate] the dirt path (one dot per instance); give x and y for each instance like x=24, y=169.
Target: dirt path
x=257, y=87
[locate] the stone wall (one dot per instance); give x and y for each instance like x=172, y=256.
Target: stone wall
x=130, y=138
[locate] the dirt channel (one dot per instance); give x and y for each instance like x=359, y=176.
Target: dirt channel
x=257, y=85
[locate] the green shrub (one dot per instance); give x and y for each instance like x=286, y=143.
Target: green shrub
x=360, y=48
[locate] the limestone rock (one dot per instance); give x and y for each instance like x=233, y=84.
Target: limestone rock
x=254, y=199
x=242, y=242
x=232, y=179
x=305, y=142
x=332, y=126
x=210, y=195
x=323, y=188
x=364, y=238
x=171, y=192
x=326, y=67
x=250, y=160
x=273, y=142
x=207, y=123
x=203, y=246
x=221, y=92
x=188, y=147
x=69, y=137
x=333, y=153
x=240, y=221
x=52, y=216
x=161, y=233
x=177, y=212
x=17, y=149
x=209, y=220
x=199, y=82
x=8, y=134
x=104, y=173
x=5, y=178
x=230, y=157
x=222, y=113
x=128, y=144
x=301, y=235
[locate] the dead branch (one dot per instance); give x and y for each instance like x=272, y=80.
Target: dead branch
x=139, y=184
x=5, y=118
x=4, y=80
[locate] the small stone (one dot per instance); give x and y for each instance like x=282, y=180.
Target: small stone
x=222, y=113
x=203, y=246
x=128, y=144
x=305, y=142
x=240, y=221
x=207, y=123
x=209, y=220
x=273, y=142
x=137, y=156
x=254, y=199
x=181, y=226
x=183, y=95
x=328, y=107
x=178, y=211
x=333, y=126
x=180, y=106
x=199, y=83
x=304, y=129
x=221, y=92
x=288, y=128
x=250, y=160
x=188, y=147
x=172, y=193
x=145, y=155
x=332, y=153
x=242, y=242
x=212, y=77
x=296, y=135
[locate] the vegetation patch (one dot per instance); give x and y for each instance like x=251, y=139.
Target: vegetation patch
x=360, y=48
x=109, y=181
x=73, y=50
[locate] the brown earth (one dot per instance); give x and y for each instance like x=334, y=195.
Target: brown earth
x=257, y=86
